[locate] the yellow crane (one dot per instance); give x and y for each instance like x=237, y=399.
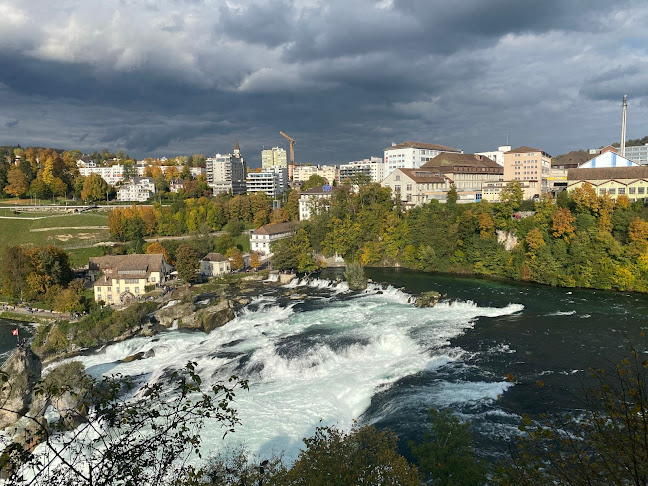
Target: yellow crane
x=292, y=148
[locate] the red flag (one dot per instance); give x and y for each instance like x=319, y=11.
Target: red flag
x=14, y=332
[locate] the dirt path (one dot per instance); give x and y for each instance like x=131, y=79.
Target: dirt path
x=35, y=230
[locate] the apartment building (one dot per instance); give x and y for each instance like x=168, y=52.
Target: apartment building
x=227, y=173
x=374, y=167
x=468, y=172
x=139, y=189
x=412, y=155
x=271, y=180
x=527, y=164
x=214, y=265
x=302, y=173
x=496, y=155
x=315, y=199
x=274, y=157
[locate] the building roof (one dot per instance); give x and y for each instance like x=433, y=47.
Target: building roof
x=444, y=160
x=127, y=263
x=320, y=190
x=429, y=146
x=276, y=228
x=524, y=150
x=603, y=173
x=423, y=176
x=608, y=159
x=215, y=257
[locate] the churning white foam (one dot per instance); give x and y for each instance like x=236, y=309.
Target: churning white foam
x=310, y=364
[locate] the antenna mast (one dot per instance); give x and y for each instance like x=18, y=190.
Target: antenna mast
x=623, y=125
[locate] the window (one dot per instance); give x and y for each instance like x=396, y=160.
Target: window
x=137, y=290
x=621, y=190
x=397, y=178
x=601, y=191
x=409, y=186
x=612, y=190
x=397, y=187
x=631, y=190
x=640, y=190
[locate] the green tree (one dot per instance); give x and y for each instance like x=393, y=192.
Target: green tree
x=94, y=188
x=355, y=277
x=452, y=194
x=38, y=188
x=446, y=455
x=362, y=456
x=186, y=262
x=313, y=181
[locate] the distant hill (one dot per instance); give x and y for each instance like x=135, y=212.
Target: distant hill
x=633, y=142
x=573, y=158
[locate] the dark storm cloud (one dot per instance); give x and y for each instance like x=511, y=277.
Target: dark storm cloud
x=345, y=78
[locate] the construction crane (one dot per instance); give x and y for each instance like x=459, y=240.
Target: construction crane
x=291, y=167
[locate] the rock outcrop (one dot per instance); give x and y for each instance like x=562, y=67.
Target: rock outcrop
x=23, y=370
x=428, y=299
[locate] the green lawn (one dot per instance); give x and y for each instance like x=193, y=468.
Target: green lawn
x=66, y=231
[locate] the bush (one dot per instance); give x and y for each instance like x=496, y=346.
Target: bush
x=355, y=276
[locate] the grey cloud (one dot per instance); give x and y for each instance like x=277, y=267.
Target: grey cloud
x=11, y=123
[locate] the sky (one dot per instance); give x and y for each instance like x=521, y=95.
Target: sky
x=344, y=78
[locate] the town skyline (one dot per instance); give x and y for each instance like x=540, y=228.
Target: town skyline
x=344, y=79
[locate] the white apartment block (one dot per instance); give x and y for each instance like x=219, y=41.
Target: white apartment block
x=412, y=155
x=140, y=189
x=315, y=199
x=112, y=175
x=496, y=155
x=638, y=154
x=272, y=181
x=226, y=173
x=303, y=172
x=274, y=157
x=374, y=167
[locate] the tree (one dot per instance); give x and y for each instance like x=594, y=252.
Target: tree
x=186, y=262
x=17, y=182
x=58, y=187
x=236, y=258
x=313, y=181
x=38, y=188
x=15, y=265
x=446, y=455
x=562, y=224
x=119, y=440
x=94, y=188
x=452, y=194
x=606, y=444
x=365, y=455
x=157, y=248
x=355, y=276
x=255, y=260
x=128, y=170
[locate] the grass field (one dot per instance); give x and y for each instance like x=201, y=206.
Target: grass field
x=66, y=231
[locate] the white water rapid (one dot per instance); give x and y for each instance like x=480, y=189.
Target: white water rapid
x=321, y=358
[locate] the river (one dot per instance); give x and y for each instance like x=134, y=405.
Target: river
x=330, y=356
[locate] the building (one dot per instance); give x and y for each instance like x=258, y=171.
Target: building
x=415, y=186
x=112, y=174
x=261, y=238
x=614, y=181
x=275, y=157
x=139, y=189
x=214, y=265
x=412, y=155
x=176, y=185
x=374, y=167
x=466, y=171
x=496, y=155
x=124, y=278
x=526, y=164
x=607, y=159
x=491, y=191
x=316, y=198
x=302, y=173
x=226, y=173
x=272, y=181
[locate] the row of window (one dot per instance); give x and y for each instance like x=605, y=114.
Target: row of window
x=622, y=190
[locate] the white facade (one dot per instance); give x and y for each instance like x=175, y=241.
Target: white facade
x=412, y=155
x=112, y=175
x=274, y=157
x=139, y=189
x=607, y=159
x=271, y=180
x=496, y=155
x=261, y=238
x=214, y=265
x=303, y=172
x=226, y=173
x=314, y=198
x=415, y=186
x=374, y=167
